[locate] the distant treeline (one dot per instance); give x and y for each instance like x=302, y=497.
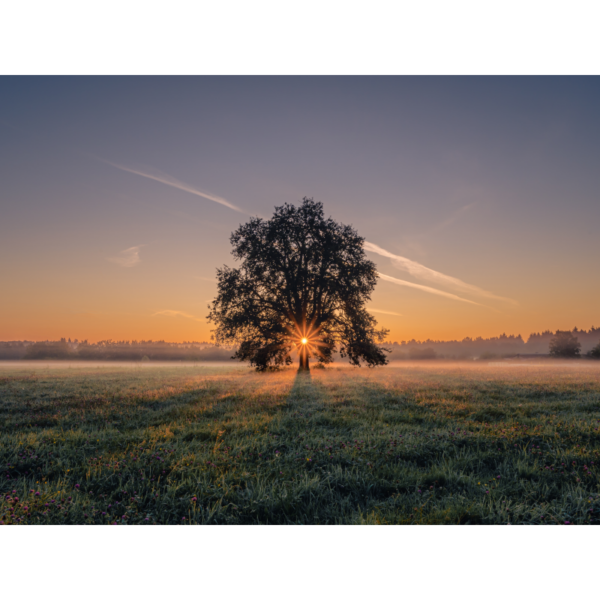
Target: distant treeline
x=503, y=346
x=113, y=350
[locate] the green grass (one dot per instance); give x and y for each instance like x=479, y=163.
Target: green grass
x=452, y=444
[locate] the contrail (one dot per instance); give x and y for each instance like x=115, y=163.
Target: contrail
x=128, y=258
x=384, y=312
x=168, y=180
x=422, y=272
x=425, y=288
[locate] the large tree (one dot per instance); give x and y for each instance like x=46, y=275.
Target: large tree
x=302, y=285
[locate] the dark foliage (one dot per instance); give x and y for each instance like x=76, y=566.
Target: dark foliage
x=107, y=350
x=595, y=352
x=565, y=345
x=48, y=350
x=301, y=274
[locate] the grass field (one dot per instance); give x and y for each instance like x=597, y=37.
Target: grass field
x=440, y=443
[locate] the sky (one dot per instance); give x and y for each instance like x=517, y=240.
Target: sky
x=478, y=197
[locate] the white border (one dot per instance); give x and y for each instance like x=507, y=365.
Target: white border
x=318, y=37
x=299, y=562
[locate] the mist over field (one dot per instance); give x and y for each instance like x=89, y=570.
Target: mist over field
x=504, y=346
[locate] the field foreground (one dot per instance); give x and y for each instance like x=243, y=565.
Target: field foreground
x=410, y=444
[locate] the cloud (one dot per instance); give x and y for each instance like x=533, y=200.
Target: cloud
x=384, y=312
x=171, y=181
x=128, y=258
x=176, y=313
x=420, y=271
x=425, y=288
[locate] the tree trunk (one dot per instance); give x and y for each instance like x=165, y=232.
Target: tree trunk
x=303, y=366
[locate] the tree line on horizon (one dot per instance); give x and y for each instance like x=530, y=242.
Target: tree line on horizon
x=503, y=346
x=572, y=343
x=114, y=350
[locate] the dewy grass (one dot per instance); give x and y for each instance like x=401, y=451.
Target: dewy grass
x=414, y=444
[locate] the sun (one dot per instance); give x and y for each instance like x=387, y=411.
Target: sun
x=306, y=340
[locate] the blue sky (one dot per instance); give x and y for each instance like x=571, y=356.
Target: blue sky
x=118, y=196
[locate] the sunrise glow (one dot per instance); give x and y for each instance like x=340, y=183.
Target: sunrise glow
x=467, y=226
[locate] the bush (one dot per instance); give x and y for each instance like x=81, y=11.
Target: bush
x=564, y=345
x=595, y=351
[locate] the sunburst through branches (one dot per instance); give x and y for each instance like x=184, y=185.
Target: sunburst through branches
x=302, y=277
x=306, y=341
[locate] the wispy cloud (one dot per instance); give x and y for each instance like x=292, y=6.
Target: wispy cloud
x=127, y=258
x=425, y=288
x=422, y=272
x=171, y=181
x=384, y=312
x=176, y=313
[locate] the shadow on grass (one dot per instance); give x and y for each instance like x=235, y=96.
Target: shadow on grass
x=302, y=388
x=331, y=446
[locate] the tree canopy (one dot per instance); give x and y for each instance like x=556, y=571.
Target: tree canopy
x=564, y=344
x=595, y=351
x=302, y=284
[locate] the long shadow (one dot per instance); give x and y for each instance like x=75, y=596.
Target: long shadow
x=309, y=398
x=306, y=392
x=302, y=384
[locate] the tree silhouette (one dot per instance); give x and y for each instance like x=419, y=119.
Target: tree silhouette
x=564, y=344
x=302, y=285
x=595, y=351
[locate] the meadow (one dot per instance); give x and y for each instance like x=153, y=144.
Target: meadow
x=443, y=443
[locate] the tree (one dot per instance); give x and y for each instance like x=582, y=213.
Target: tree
x=595, y=351
x=302, y=285
x=565, y=345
